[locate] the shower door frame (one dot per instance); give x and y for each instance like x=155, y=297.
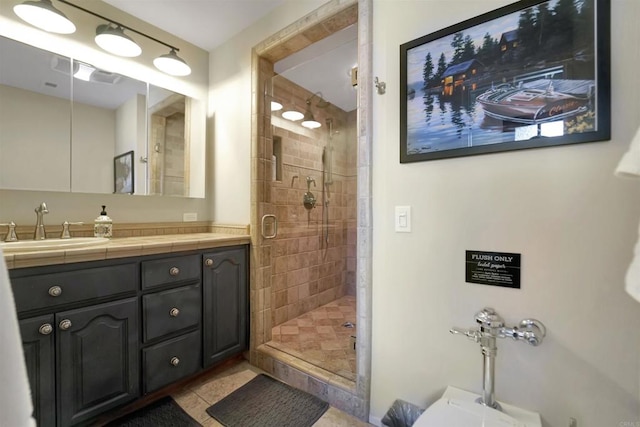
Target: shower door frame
x=264, y=55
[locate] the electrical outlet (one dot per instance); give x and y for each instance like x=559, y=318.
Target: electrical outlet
x=573, y=422
x=190, y=217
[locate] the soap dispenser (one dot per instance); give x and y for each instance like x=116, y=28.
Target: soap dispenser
x=103, y=225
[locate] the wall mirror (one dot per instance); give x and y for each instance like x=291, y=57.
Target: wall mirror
x=63, y=121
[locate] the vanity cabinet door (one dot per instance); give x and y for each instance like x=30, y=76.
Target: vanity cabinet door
x=38, y=346
x=98, y=359
x=225, y=304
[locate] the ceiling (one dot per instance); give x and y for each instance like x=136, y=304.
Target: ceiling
x=322, y=67
x=204, y=23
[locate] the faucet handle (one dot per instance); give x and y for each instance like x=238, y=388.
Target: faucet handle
x=472, y=334
x=65, y=229
x=42, y=208
x=11, y=233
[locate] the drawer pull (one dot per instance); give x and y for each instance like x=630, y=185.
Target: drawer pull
x=55, y=291
x=174, y=271
x=174, y=312
x=46, y=329
x=208, y=262
x=174, y=361
x=65, y=324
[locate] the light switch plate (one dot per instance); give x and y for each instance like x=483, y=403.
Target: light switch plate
x=403, y=219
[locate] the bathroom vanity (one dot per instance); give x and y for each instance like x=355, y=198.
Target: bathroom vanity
x=102, y=333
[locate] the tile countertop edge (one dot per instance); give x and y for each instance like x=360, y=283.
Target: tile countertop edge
x=124, y=247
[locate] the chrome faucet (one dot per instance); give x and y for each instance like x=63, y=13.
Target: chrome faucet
x=40, y=234
x=531, y=331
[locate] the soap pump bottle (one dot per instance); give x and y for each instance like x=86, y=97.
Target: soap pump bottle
x=103, y=225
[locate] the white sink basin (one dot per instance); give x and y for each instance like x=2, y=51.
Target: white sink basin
x=51, y=244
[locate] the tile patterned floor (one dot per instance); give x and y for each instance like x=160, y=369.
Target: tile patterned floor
x=320, y=338
x=198, y=396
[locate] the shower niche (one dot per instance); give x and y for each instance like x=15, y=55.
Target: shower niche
x=276, y=159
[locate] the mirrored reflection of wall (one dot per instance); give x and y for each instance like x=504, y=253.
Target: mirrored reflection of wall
x=35, y=113
x=108, y=120
x=64, y=121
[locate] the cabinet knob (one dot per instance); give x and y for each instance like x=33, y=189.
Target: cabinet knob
x=174, y=361
x=208, y=262
x=65, y=324
x=46, y=329
x=174, y=271
x=55, y=291
x=174, y=312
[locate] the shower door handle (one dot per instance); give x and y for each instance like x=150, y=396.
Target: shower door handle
x=264, y=227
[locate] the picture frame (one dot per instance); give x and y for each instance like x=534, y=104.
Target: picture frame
x=535, y=73
x=123, y=173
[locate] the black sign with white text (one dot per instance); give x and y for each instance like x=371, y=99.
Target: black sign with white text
x=493, y=268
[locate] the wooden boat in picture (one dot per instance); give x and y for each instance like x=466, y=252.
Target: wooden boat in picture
x=529, y=105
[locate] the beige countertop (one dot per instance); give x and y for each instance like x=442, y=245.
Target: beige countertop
x=126, y=247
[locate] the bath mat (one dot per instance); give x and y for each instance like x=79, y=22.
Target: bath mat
x=267, y=402
x=163, y=413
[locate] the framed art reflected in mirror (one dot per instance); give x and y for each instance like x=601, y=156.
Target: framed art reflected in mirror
x=123, y=173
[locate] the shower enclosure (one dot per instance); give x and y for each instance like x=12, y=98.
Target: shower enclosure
x=312, y=193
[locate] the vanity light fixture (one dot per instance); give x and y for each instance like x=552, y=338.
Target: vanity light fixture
x=309, y=121
x=276, y=106
x=293, y=115
x=110, y=37
x=42, y=14
x=114, y=40
x=172, y=64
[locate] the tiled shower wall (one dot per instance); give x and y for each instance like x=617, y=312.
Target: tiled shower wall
x=313, y=261
x=167, y=154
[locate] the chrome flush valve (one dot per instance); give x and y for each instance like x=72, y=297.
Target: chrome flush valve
x=491, y=326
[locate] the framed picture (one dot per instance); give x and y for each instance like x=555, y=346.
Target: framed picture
x=123, y=173
x=534, y=73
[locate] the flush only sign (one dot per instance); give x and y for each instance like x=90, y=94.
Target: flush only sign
x=493, y=268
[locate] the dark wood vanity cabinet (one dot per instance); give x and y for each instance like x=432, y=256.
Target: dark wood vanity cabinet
x=171, y=319
x=81, y=347
x=98, y=359
x=225, y=303
x=99, y=334
x=39, y=346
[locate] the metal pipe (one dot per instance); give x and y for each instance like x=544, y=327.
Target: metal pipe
x=97, y=15
x=489, y=352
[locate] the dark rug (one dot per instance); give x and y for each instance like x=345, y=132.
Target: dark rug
x=267, y=402
x=163, y=413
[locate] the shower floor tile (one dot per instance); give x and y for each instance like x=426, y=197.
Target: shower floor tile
x=319, y=337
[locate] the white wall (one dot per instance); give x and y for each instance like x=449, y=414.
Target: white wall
x=230, y=110
x=573, y=222
x=21, y=140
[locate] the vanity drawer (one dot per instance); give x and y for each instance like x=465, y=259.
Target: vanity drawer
x=170, y=270
x=170, y=311
x=171, y=360
x=56, y=289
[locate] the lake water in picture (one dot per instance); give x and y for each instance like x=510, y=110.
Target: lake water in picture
x=436, y=123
